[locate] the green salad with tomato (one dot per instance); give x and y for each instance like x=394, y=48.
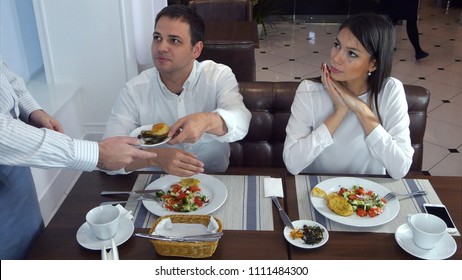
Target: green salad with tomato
x=184, y=196
x=365, y=203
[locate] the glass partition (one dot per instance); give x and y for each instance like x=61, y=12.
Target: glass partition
x=321, y=10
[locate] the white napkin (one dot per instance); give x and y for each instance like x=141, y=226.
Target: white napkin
x=124, y=212
x=273, y=187
x=167, y=228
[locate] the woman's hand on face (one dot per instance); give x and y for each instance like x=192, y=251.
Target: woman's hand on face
x=342, y=97
x=332, y=88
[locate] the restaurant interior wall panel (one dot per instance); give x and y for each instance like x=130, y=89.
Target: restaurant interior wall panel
x=52, y=184
x=91, y=43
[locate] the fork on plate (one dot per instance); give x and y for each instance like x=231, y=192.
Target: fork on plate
x=392, y=195
x=141, y=197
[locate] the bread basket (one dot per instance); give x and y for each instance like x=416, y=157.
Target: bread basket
x=201, y=249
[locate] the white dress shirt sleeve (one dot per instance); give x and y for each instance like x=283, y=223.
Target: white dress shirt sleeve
x=231, y=108
x=305, y=139
x=390, y=142
x=24, y=145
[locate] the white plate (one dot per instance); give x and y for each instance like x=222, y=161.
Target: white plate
x=390, y=210
x=299, y=242
x=87, y=239
x=138, y=130
x=210, y=186
x=445, y=248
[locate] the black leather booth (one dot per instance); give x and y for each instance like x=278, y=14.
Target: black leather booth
x=270, y=104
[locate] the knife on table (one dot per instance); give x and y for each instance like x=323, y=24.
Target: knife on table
x=130, y=192
x=282, y=213
x=190, y=238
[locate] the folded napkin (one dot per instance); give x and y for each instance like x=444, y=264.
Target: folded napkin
x=124, y=212
x=167, y=228
x=273, y=187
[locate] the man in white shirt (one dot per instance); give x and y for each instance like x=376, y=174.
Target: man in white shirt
x=199, y=100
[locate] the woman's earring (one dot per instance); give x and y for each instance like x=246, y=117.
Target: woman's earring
x=369, y=73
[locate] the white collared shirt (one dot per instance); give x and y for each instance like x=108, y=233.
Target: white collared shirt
x=25, y=145
x=309, y=147
x=211, y=87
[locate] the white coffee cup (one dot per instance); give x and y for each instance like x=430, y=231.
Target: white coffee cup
x=103, y=221
x=427, y=229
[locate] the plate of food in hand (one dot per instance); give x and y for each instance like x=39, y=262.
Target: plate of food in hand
x=200, y=194
x=306, y=234
x=354, y=201
x=151, y=135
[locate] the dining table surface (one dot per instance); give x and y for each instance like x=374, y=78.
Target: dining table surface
x=232, y=32
x=262, y=239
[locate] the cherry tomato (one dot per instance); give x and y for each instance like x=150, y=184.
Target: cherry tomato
x=360, y=191
x=341, y=191
x=361, y=212
x=194, y=188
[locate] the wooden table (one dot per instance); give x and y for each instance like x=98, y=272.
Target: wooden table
x=235, y=31
x=59, y=239
x=378, y=246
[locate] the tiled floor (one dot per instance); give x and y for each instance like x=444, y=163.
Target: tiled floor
x=291, y=52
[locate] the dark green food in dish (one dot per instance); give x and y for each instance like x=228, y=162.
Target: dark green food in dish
x=312, y=234
x=150, y=139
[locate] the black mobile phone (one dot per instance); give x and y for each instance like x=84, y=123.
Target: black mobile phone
x=440, y=210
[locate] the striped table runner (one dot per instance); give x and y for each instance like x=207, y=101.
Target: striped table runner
x=245, y=208
x=304, y=184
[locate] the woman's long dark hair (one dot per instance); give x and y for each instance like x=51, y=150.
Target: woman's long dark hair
x=376, y=33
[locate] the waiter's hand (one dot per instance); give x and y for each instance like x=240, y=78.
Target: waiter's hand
x=40, y=118
x=118, y=152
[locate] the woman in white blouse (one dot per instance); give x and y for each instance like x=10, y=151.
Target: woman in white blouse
x=354, y=120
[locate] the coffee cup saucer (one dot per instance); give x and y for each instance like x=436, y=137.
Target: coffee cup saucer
x=88, y=240
x=445, y=248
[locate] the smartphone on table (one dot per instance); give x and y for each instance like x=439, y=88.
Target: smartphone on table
x=441, y=211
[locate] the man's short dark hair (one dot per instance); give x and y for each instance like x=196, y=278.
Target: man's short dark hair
x=186, y=14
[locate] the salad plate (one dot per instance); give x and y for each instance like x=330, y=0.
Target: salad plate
x=390, y=210
x=137, y=132
x=299, y=242
x=445, y=248
x=88, y=240
x=210, y=186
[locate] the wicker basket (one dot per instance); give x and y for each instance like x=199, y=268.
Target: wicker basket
x=186, y=249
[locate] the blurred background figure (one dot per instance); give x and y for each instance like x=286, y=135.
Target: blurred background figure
x=405, y=10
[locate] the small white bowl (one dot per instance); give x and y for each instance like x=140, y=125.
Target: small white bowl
x=299, y=242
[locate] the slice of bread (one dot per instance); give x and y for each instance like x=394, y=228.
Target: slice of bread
x=317, y=192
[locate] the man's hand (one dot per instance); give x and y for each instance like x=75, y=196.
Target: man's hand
x=40, y=118
x=190, y=128
x=117, y=152
x=178, y=162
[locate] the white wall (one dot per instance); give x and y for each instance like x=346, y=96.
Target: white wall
x=19, y=43
x=145, y=12
x=88, y=50
x=97, y=43
x=89, y=42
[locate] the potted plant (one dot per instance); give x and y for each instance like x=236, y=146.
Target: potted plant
x=262, y=9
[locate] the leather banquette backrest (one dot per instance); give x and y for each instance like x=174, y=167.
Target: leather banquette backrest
x=270, y=103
